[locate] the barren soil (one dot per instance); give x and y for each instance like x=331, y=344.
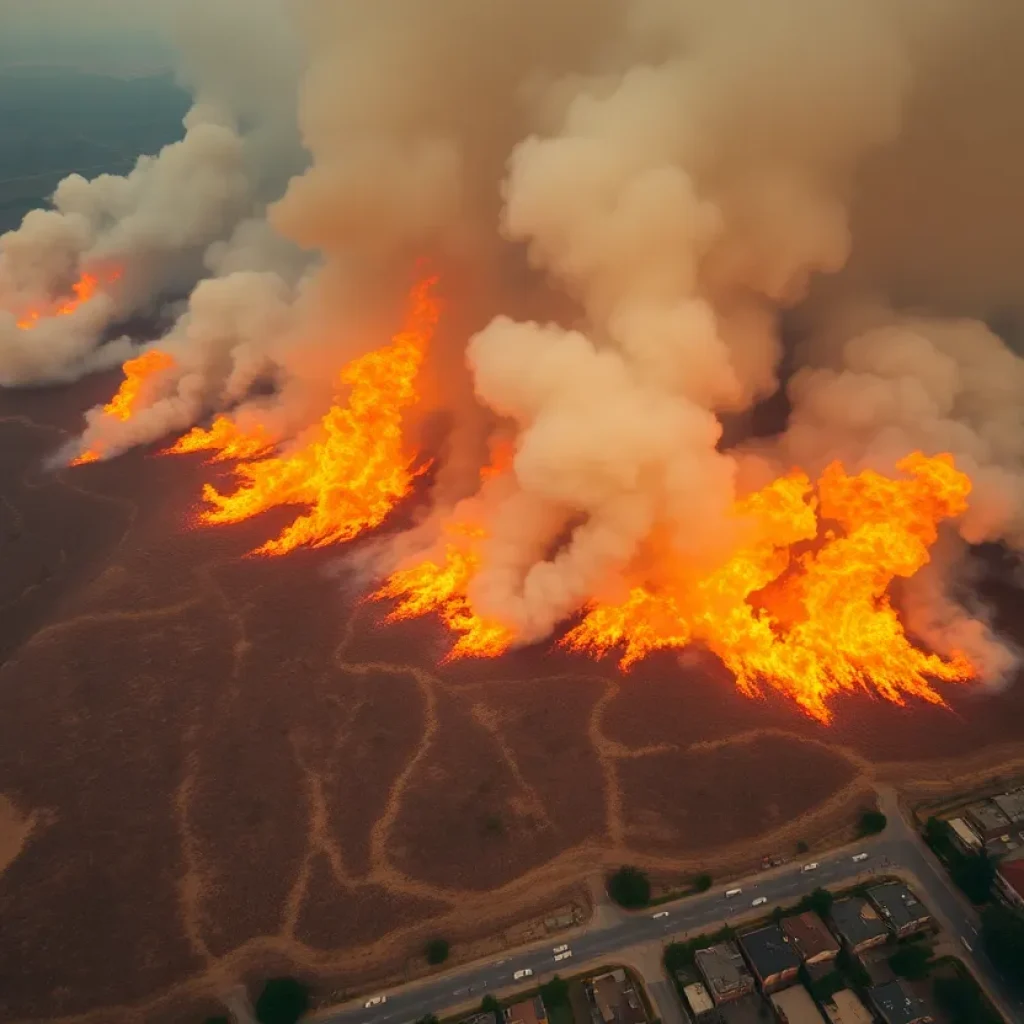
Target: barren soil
x=213, y=765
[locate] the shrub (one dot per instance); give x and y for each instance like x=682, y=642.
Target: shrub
x=872, y=822
x=1002, y=932
x=911, y=961
x=555, y=992
x=436, y=951
x=282, y=1001
x=702, y=882
x=630, y=888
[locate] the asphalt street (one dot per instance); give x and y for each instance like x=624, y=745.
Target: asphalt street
x=897, y=851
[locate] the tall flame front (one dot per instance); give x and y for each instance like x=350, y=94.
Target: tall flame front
x=802, y=605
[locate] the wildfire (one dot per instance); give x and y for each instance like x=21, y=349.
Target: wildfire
x=225, y=439
x=810, y=625
x=83, y=290
x=430, y=587
x=125, y=402
x=356, y=468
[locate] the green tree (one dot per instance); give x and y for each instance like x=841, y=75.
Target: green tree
x=1002, y=932
x=912, y=961
x=872, y=822
x=436, y=951
x=962, y=1001
x=936, y=835
x=491, y=1005
x=282, y=1001
x=778, y=914
x=802, y=847
x=555, y=993
x=678, y=955
x=429, y=1019
x=974, y=874
x=851, y=966
x=702, y=882
x=820, y=901
x=630, y=888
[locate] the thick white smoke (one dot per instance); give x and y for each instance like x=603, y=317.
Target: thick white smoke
x=145, y=236
x=678, y=174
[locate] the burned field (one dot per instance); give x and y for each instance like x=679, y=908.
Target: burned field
x=226, y=758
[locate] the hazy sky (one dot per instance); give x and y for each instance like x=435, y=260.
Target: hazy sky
x=113, y=35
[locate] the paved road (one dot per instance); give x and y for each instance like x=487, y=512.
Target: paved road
x=897, y=850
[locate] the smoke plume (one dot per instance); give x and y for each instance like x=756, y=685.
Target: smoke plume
x=628, y=201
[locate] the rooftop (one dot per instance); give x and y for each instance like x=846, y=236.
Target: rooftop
x=856, y=920
x=1011, y=804
x=1011, y=871
x=527, y=1011
x=897, y=1005
x=747, y=1010
x=988, y=817
x=810, y=938
x=846, y=1008
x=698, y=998
x=723, y=969
x=769, y=951
x=795, y=1006
x=963, y=831
x=898, y=904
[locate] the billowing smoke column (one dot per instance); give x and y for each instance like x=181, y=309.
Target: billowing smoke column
x=624, y=200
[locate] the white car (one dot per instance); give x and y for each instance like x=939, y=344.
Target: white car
x=859, y=857
x=525, y=973
x=760, y=901
x=559, y=949
x=563, y=956
x=375, y=1001
x=729, y=893
x=967, y=945
x=660, y=914
x=813, y=866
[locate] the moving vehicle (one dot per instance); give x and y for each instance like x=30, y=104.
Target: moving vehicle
x=563, y=956
x=760, y=901
x=729, y=893
x=560, y=949
x=525, y=973
x=374, y=1001
x=813, y=866
x=967, y=945
x=859, y=856
x=659, y=914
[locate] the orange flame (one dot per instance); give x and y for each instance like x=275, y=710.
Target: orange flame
x=125, y=402
x=83, y=290
x=839, y=631
x=357, y=467
x=430, y=587
x=225, y=439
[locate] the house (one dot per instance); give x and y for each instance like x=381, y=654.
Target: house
x=748, y=1010
x=846, y=1008
x=771, y=956
x=1012, y=805
x=857, y=923
x=988, y=821
x=617, y=1001
x=813, y=942
x=794, y=1005
x=964, y=836
x=902, y=911
x=527, y=1011
x=699, y=1003
x=724, y=972
x=895, y=1005
x=1010, y=880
